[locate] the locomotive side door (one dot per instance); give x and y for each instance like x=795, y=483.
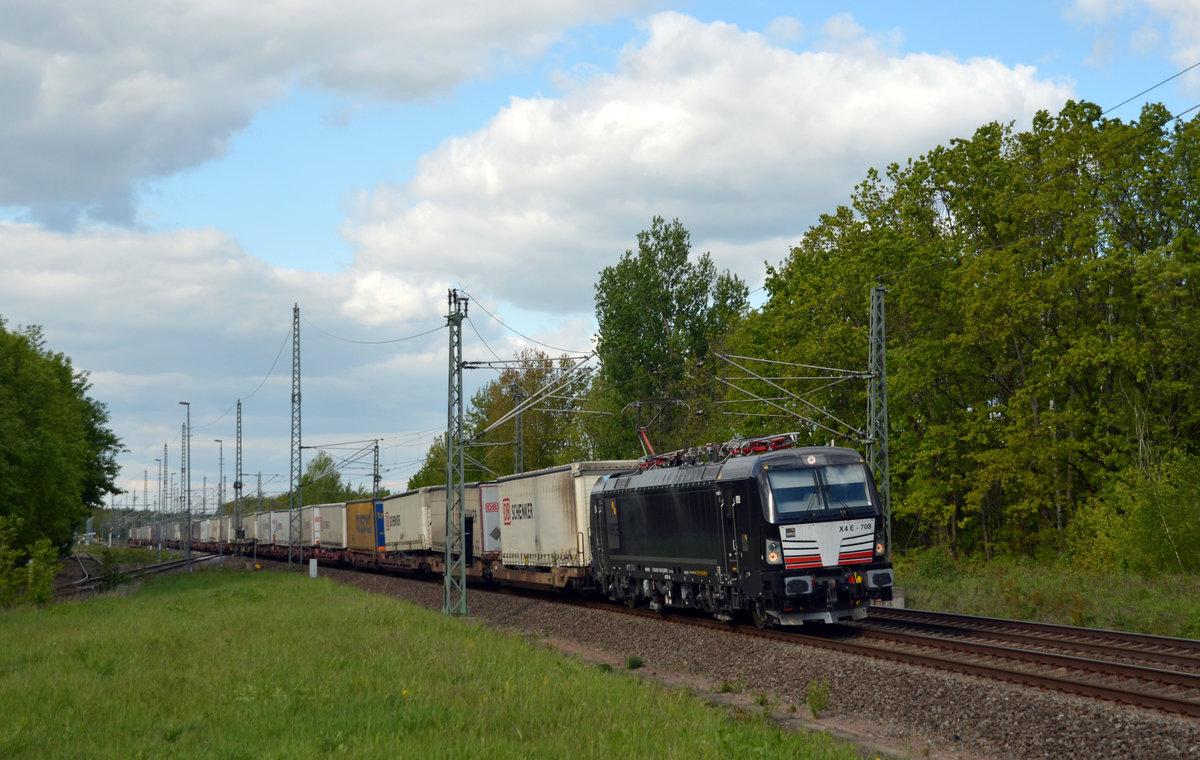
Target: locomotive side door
x=598, y=529
x=733, y=539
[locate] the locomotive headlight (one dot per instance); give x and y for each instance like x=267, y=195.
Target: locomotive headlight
x=879, y=549
x=774, y=553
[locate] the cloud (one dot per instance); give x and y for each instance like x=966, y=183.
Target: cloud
x=784, y=30
x=189, y=315
x=380, y=299
x=842, y=34
x=1145, y=24
x=103, y=287
x=99, y=97
x=741, y=140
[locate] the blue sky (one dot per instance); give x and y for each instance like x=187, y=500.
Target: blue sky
x=177, y=176
x=262, y=189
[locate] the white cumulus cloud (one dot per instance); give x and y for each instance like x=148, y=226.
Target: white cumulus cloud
x=741, y=140
x=98, y=97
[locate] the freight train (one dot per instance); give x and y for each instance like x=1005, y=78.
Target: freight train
x=760, y=527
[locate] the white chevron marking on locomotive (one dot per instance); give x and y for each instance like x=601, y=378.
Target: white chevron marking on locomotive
x=828, y=540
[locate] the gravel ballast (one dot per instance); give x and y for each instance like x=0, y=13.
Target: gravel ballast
x=886, y=707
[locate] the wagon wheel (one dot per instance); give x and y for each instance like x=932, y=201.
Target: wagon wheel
x=758, y=612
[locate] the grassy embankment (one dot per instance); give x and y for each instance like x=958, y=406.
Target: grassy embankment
x=1166, y=606
x=265, y=665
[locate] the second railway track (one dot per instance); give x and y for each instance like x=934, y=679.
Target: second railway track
x=1145, y=671
x=93, y=580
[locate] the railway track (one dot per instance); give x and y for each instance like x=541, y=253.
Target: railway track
x=1155, y=652
x=1146, y=671
x=93, y=580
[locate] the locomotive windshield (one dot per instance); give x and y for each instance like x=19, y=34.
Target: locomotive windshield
x=801, y=494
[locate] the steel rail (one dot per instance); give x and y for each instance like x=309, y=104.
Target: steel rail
x=1047, y=630
x=1154, y=651
x=93, y=582
x=1064, y=684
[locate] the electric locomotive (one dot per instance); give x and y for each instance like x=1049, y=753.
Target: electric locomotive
x=786, y=534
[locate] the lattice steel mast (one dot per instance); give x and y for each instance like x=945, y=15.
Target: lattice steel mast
x=185, y=480
x=877, y=411
x=518, y=430
x=375, y=478
x=239, y=531
x=295, y=501
x=455, y=598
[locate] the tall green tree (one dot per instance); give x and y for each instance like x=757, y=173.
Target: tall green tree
x=659, y=312
x=57, y=455
x=1042, y=319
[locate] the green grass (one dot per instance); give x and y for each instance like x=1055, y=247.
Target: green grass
x=269, y=665
x=1167, y=605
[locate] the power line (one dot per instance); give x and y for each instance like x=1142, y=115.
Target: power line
x=371, y=342
x=481, y=340
x=266, y=377
x=1155, y=87
x=517, y=332
x=272, y=369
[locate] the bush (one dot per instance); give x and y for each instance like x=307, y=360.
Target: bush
x=26, y=573
x=110, y=570
x=41, y=572
x=817, y=696
x=931, y=562
x=1145, y=520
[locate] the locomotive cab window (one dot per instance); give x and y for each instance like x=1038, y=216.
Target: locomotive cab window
x=847, y=488
x=794, y=490
x=803, y=493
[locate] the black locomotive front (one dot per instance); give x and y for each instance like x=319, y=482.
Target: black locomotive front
x=788, y=536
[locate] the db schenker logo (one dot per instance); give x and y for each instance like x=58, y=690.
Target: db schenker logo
x=523, y=511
